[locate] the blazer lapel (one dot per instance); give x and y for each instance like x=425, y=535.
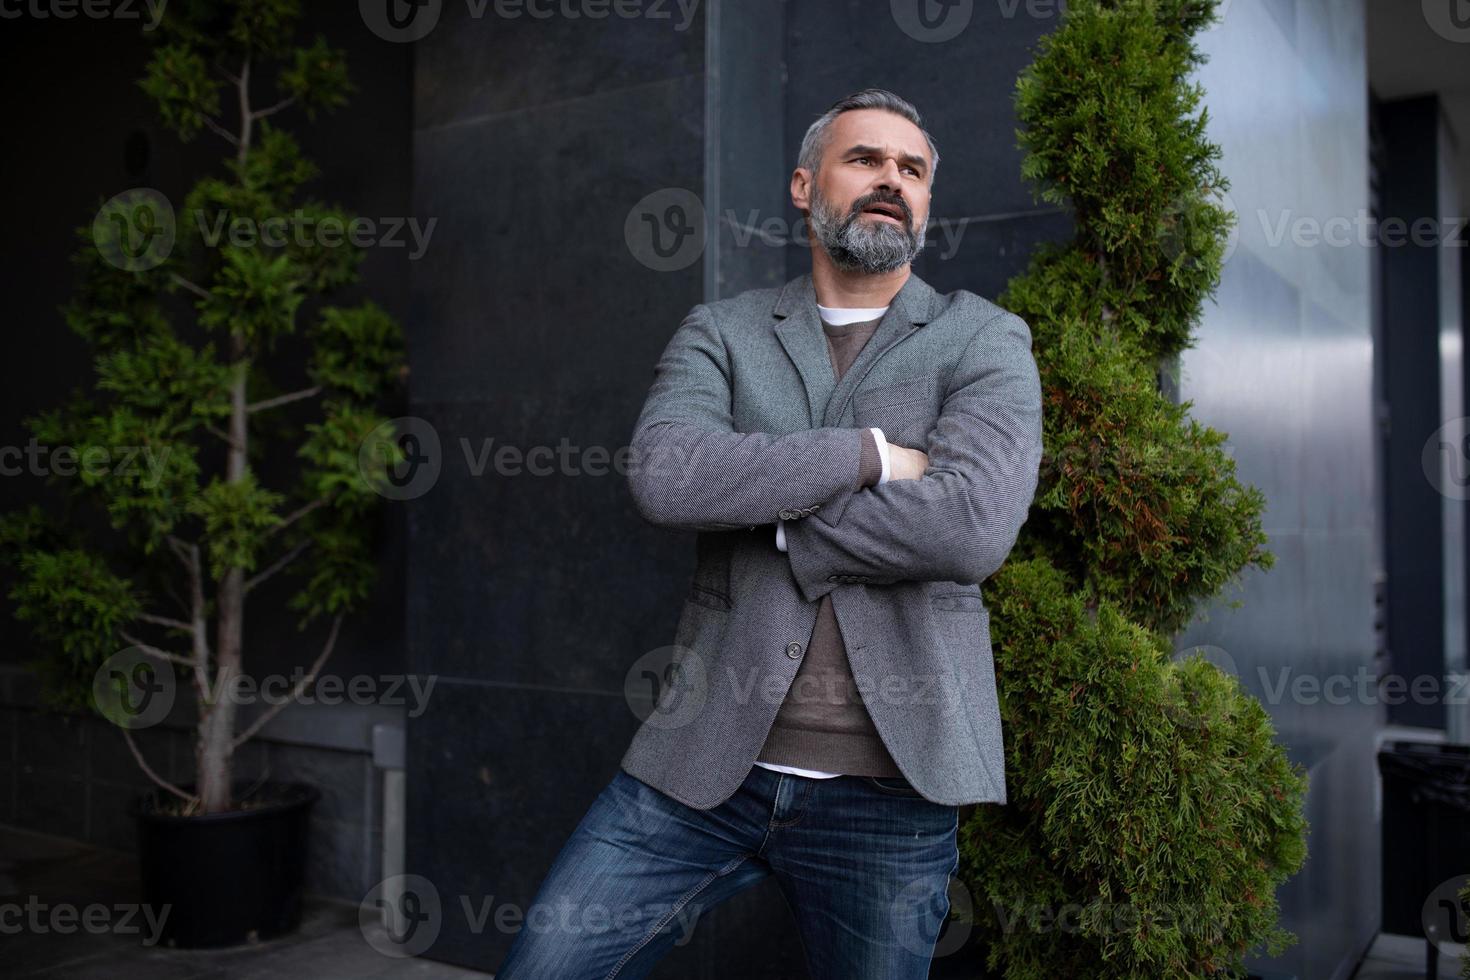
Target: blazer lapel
x=799, y=329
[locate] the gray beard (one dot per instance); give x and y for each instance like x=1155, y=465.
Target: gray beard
x=857, y=246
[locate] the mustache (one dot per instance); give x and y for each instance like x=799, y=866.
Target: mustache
x=863, y=203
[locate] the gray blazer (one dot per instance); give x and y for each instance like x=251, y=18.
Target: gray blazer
x=746, y=425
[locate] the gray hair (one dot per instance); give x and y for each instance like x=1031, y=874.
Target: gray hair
x=814, y=143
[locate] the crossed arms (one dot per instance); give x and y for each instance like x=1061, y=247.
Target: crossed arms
x=691, y=470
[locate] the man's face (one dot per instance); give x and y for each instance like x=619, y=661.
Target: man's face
x=869, y=201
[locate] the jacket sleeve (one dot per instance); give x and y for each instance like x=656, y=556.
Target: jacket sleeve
x=959, y=520
x=874, y=469
x=690, y=469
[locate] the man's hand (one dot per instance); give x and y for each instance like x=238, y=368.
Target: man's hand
x=905, y=463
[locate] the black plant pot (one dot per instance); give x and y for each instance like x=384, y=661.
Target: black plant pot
x=225, y=879
x=1426, y=837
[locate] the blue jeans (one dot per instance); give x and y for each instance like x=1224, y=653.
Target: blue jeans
x=864, y=863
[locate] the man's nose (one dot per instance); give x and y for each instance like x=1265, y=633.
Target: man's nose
x=890, y=177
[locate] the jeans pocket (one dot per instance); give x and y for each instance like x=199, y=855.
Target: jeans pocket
x=894, y=786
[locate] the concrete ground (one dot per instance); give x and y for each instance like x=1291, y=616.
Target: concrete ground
x=61, y=873
x=329, y=945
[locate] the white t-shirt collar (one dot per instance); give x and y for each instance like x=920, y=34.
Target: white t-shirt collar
x=840, y=315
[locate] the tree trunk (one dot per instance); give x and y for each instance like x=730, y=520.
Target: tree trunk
x=215, y=750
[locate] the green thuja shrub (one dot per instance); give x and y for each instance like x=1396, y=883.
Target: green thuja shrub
x=183, y=308
x=1150, y=816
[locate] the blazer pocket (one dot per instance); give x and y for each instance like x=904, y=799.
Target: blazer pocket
x=704, y=596
x=904, y=411
x=958, y=601
x=899, y=393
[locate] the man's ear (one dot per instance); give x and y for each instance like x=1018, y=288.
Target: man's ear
x=801, y=184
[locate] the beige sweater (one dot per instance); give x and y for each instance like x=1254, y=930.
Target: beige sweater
x=823, y=724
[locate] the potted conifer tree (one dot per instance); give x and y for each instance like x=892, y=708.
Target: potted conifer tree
x=1151, y=815
x=184, y=313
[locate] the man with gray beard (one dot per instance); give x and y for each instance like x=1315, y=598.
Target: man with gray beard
x=856, y=453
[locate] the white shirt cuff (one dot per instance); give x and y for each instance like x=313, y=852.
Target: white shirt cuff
x=882, y=451
x=780, y=535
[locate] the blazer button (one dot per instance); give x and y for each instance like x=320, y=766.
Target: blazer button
x=793, y=650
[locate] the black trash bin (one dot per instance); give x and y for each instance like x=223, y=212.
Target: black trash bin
x=1426, y=834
